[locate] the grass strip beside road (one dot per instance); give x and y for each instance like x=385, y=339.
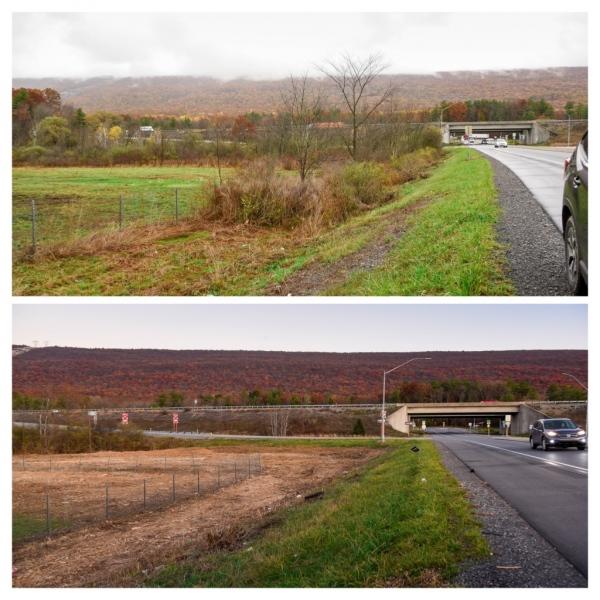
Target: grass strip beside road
x=401, y=521
x=450, y=246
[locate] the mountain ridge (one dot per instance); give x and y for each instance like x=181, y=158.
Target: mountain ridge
x=136, y=376
x=188, y=95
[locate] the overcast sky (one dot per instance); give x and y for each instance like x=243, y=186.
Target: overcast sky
x=267, y=44
x=304, y=327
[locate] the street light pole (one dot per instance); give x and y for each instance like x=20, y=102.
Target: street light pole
x=383, y=414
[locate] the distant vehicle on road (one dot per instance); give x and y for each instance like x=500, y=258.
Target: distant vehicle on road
x=557, y=433
x=575, y=218
x=501, y=143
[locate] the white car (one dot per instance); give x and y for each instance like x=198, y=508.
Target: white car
x=501, y=143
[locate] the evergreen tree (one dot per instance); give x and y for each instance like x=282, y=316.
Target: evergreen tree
x=359, y=428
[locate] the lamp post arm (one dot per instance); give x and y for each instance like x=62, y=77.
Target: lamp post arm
x=383, y=398
x=577, y=380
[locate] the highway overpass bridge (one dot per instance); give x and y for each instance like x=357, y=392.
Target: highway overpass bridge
x=531, y=131
x=522, y=415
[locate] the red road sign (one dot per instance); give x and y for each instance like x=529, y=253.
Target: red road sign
x=125, y=418
x=175, y=418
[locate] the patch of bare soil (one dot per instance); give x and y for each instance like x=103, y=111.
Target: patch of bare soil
x=315, y=279
x=104, y=555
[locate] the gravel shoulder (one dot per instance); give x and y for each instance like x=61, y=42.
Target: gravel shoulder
x=535, y=248
x=520, y=557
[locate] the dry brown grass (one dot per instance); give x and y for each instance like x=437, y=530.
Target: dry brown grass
x=106, y=555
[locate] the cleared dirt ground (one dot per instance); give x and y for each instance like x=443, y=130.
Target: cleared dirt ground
x=102, y=555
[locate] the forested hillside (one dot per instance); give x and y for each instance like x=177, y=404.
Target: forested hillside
x=107, y=377
x=195, y=96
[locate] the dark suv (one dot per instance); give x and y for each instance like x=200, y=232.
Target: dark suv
x=575, y=218
x=557, y=433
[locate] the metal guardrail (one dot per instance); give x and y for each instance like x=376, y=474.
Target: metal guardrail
x=198, y=408
x=261, y=407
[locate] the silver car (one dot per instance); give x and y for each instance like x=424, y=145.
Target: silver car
x=557, y=433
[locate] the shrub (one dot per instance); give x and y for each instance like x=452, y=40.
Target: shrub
x=30, y=154
x=362, y=184
x=415, y=165
x=431, y=138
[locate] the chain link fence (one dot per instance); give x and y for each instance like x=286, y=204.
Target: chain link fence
x=133, y=487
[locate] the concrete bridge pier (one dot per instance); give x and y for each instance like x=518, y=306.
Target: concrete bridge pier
x=445, y=130
x=521, y=415
x=398, y=419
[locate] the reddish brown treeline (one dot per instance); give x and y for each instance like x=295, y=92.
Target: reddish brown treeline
x=121, y=377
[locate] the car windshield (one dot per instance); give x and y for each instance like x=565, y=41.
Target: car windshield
x=560, y=424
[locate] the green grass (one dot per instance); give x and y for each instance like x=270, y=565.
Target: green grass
x=402, y=520
x=450, y=247
x=73, y=202
x=25, y=526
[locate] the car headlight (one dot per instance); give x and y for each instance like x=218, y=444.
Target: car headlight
x=551, y=433
x=581, y=432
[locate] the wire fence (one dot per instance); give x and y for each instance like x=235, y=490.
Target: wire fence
x=36, y=223
x=134, y=487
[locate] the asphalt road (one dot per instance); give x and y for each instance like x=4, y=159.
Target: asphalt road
x=541, y=171
x=548, y=489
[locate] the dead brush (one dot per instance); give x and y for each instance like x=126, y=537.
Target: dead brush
x=261, y=196
x=229, y=537
x=109, y=241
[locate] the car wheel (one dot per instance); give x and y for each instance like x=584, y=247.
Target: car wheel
x=532, y=444
x=575, y=279
x=545, y=445
x=580, y=447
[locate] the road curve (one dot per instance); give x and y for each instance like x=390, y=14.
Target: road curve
x=535, y=252
x=540, y=170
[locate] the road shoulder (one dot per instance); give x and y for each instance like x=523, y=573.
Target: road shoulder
x=535, y=248
x=520, y=557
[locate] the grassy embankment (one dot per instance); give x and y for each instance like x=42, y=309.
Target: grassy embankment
x=401, y=521
x=448, y=249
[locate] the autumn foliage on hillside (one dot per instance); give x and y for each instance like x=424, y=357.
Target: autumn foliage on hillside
x=104, y=377
x=205, y=95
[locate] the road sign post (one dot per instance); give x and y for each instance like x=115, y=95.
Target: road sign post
x=468, y=133
x=125, y=418
x=175, y=421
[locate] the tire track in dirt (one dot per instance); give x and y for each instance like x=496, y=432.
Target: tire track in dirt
x=315, y=279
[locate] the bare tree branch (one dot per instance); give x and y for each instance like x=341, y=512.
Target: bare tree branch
x=355, y=80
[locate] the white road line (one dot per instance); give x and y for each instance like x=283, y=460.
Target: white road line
x=550, y=462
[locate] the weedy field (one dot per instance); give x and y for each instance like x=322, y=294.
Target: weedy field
x=319, y=514
x=434, y=236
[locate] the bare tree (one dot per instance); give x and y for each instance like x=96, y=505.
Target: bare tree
x=279, y=422
x=220, y=132
x=302, y=106
x=357, y=81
